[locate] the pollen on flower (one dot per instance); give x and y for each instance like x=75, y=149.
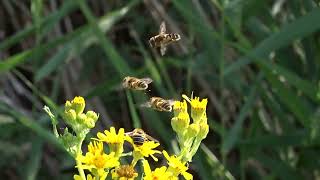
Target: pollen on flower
x=124, y=172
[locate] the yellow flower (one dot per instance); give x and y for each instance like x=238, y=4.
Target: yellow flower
x=114, y=140
x=96, y=159
x=144, y=150
x=78, y=104
x=177, y=167
x=124, y=172
x=198, y=108
x=89, y=177
x=179, y=107
x=157, y=174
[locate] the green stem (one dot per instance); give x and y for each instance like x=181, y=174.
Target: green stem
x=81, y=171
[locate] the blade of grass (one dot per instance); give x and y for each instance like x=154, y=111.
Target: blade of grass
x=134, y=115
x=46, y=24
x=209, y=166
x=291, y=100
x=109, y=50
x=77, y=45
x=235, y=133
x=299, y=28
x=34, y=162
x=34, y=126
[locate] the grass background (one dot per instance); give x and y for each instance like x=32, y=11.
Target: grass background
x=258, y=62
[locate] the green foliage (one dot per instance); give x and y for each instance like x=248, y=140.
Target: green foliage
x=257, y=62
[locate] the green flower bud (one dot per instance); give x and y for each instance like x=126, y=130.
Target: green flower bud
x=193, y=130
x=81, y=118
x=90, y=123
x=204, y=130
x=94, y=116
x=67, y=106
x=70, y=116
x=180, y=123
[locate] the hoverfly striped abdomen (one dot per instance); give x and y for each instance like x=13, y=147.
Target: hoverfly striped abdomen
x=138, y=139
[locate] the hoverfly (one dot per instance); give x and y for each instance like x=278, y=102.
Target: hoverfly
x=159, y=104
x=163, y=39
x=136, y=83
x=139, y=136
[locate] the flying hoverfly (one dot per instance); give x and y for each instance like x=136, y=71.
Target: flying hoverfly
x=136, y=83
x=139, y=137
x=159, y=104
x=163, y=39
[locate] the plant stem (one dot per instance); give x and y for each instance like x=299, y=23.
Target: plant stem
x=81, y=172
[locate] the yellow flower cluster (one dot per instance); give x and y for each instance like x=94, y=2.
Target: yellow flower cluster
x=190, y=134
x=105, y=152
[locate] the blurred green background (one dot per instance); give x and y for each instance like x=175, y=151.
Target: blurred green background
x=258, y=63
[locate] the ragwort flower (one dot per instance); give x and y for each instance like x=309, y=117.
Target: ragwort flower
x=176, y=167
x=198, y=108
x=89, y=177
x=96, y=160
x=144, y=150
x=158, y=174
x=114, y=140
x=124, y=172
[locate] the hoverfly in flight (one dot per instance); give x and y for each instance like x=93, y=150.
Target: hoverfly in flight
x=163, y=39
x=159, y=104
x=136, y=83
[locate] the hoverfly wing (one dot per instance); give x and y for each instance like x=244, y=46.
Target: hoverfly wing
x=150, y=138
x=163, y=49
x=146, y=104
x=162, y=28
x=147, y=80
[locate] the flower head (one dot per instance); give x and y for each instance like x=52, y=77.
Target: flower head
x=96, y=159
x=89, y=177
x=158, y=174
x=78, y=104
x=177, y=167
x=198, y=108
x=114, y=140
x=124, y=172
x=144, y=150
x=179, y=107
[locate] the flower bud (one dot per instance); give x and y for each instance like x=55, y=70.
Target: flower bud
x=70, y=116
x=198, y=108
x=179, y=107
x=193, y=130
x=90, y=123
x=180, y=123
x=78, y=104
x=94, y=116
x=81, y=118
x=204, y=130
